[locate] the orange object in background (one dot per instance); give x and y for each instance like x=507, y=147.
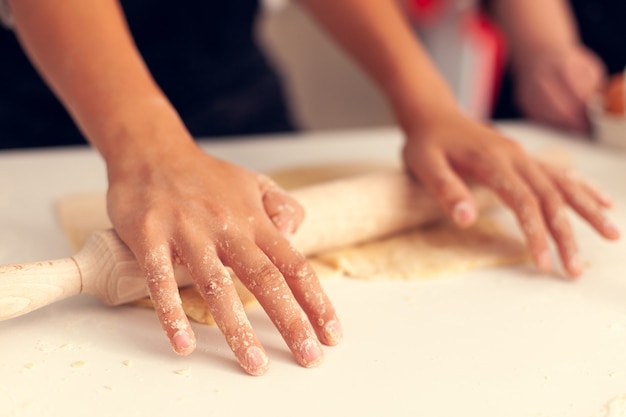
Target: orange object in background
x=615, y=95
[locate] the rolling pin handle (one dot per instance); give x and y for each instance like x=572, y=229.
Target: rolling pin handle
x=110, y=272
x=27, y=287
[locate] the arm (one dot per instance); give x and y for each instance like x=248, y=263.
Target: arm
x=86, y=54
x=443, y=145
x=555, y=74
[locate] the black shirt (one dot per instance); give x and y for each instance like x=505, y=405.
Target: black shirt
x=203, y=54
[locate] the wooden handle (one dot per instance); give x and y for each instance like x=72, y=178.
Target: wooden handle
x=110, y=272
x=104, y=267
x=26, y=287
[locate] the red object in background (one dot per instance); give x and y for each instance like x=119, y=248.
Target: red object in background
x=491, y=46
x=427, y=11
x=479, y=44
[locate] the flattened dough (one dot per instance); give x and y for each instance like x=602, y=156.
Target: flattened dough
x=436, y=250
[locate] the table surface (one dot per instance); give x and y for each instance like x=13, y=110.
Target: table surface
x=490, y=343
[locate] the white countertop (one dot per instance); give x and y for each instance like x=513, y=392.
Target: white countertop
x=490, y=343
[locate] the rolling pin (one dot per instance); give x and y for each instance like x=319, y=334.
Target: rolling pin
x=338, y=213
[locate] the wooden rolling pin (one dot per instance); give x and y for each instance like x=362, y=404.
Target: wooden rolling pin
x=339, y=213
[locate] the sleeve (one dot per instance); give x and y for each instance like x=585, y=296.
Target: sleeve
x=5, y=14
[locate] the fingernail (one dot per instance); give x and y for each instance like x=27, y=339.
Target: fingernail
x=256, y=360
x=463, y=213
x=311, y=353
x=576, y=265
x=333, y=332
x=544, y=261
x=610, y=229
x=606, y=199
x=182, y=340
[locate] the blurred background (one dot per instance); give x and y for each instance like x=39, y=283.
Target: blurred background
x=327, y=91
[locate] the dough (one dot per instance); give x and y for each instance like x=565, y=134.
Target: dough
x=436, y=250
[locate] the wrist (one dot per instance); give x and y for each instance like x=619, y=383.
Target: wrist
x=143, y=136
x=531, y=52
x=430, y=105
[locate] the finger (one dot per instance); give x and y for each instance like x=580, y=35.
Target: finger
x=305, y=286
x=576, y=95
x=566, y=109
x=216, y=286
x=555, y=215
x=566, y=175
x=584, y=203
x=284, y=211
x=434, y=171
x=585, y=77
x=164, y=294
x=517, y=195
x=267, y=284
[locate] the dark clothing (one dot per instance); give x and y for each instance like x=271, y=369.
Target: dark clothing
x=602, y=28
x=201, y=53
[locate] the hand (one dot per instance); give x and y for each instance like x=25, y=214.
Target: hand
x=184, y=206
x=447, y=147
x=553, y=87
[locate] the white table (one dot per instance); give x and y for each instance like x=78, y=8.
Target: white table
x=490, y=343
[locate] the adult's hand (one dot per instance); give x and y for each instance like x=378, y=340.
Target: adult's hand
x=554, y=86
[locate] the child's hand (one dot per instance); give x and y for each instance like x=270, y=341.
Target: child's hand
x=448, y=147
x=186, y=207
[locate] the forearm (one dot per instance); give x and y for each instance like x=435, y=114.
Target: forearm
x=85, y=53
x=378, y=37
x=533, y=26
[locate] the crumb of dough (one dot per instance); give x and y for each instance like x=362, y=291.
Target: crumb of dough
x=78, y=364
x=43, y=346
x=29, y=365
x=127, y=363
x=183, y=371
x=108, y=387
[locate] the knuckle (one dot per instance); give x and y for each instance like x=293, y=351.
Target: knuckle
x=151, y=223
x=445, y=187
x=293, y=326
x=166, y=303
x=552, y=202
x=300, y=268
x=217, y=283
x=213, y=289
x=526, y=199
x=297, y=210
x=514, y=146
x=559, y=223
x=266, y=276
x=158, y=264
